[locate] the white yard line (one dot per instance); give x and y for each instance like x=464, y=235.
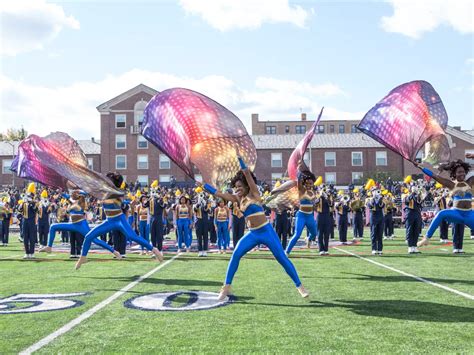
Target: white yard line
x=446, y=288
x=67, y=327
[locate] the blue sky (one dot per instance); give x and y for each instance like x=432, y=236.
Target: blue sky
x=274, y=58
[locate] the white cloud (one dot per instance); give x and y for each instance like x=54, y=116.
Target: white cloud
x=72, y=108
x=226, y=15
x=28, y=25
x=413, y=18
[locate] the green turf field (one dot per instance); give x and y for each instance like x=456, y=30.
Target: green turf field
x=355, y=306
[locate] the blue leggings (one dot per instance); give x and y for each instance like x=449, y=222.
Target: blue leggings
x=79, y=227
x=144, y=230
x=184, y=232
x=117, y=223
x=303, y=220
x=223, y=236
x=451, y=216
x=264, y=235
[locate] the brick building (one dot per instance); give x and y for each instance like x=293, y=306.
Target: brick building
x=338, y=152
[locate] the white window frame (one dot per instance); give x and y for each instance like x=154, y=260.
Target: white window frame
x=121, y=115
x=90, y=163
x=6, y=166
x=143, y=141
x=124, y=141
x=164, y=178
x=164, y=159
x=274, y=159
x=384, y=152
x=326, y=158
x=361, y=158
x=138, y=161
x=276, y=176
x=116, y=157
x=306, y=158
x=470, y=151
x=145, y=180
x=327, y=181
x=361, y=176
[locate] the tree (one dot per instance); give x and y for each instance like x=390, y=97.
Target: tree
x=14, y=134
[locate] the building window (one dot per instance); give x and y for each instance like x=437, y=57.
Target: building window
x=120, y=141
x=165, y=178
x=120, y=120
x=381, y=158
x=300, y=129
x=142, y=143
x=357, y=159
x=321, y=128
x=342, y=128
x=142, y=161
x=276, y=176
x=143, y=180
x=357, y=178
x=330, y=178
x=198, y=177
x=331, y=129
x=270, y=130
x=306, y=158
x=90, y=163
x=6, y=164
x=276, y=160
x=287, y=129
x=138, y=112
x=330, y=159
x=354, y=128
x=469, y=160
x=165, y=162
x=120, y=162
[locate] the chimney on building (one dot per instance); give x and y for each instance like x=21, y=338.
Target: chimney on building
x=303, y=116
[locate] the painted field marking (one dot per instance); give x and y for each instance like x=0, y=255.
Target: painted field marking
x=449, y=289
x=68, y=326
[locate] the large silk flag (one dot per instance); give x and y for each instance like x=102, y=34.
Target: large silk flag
x=58, y=161
x=192, y=129
x=410, y=117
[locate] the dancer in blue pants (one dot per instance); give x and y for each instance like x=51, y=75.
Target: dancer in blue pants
x=305, y=215
x=461, y=192
x=183, y=222
x=261, y=232
x=221, y=221
x=77, y=224
x=115, y=220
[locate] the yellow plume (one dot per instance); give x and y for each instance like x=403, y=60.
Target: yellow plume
x=20, y=202
x=405, y=190
x=370, y=183
x=138, y=194
x=198, y=189
x=318, y=181
x=154, y=184
x=340, y=192
x=177, y=193
x=44, y=194
x=31, y=188
x=123, y=186
x=384, y=192
x=438, y=185
x=278, y=183
x=356, y=190
x=407, y=179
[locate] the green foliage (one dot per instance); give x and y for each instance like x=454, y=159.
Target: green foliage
x=14, y=134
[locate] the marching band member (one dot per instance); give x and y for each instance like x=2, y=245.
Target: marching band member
x=324, y=204
x=183, y=223
x=238, y=224
x=44, y=209
x=413, y=221
x=142, y=211
x=202, y=209
x=28, y=209
x=342, y=208
x=441, y=203
x=157, y=209
x=357, y=206
x=221, y=222
x=376, y=205
x=389, y=210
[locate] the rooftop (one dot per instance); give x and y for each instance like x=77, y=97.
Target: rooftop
x=88, y=146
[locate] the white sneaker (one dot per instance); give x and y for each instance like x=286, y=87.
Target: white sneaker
x=472, y=236
x=460, y=251
x=326, y=253
x=204, y=253
x=415, y=250
x=26, y=256
x=410, y=250
x=385, y=238
x=321, y=253
x=380, y=252
x=32, y=256
x=200, y=253
x=455, y=251
x=374, y=252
